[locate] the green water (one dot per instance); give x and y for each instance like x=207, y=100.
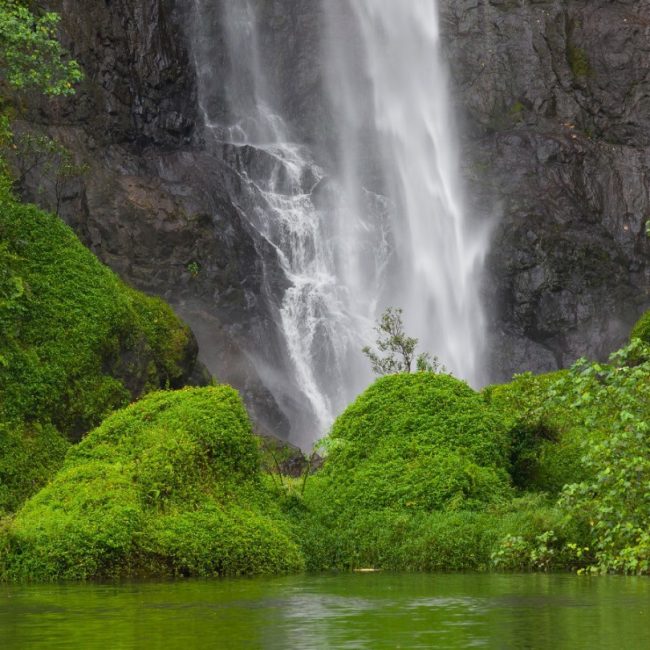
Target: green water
x=344, y=611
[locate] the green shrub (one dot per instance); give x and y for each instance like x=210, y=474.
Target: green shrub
x=75, y=345
x=613, y=503
x=78, y=343
x=168, y=486
x=641, y=329
x=461, y=540
x=217, y=541
x=29, y=456
x=422, y=441
x=81, y=525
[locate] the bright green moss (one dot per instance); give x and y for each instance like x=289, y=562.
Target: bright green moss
x=75, y=345
x=413, y=447
x=29, y=456
x=74, y=328
x=436, y=411
x=169, y=486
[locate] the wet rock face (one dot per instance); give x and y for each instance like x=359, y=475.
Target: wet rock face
x=138, y=85
x=154, y=204
x=553, y=97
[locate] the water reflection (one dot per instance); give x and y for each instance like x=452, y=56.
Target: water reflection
x=346, y=611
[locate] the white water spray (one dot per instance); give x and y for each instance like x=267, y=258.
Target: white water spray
x=385, y=224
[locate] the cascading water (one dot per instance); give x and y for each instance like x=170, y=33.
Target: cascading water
x=313, y=312
x=372, y=219
x=388, y=83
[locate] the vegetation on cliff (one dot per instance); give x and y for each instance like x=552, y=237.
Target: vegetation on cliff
x=642, y=329
x=75, y=344
x=421, y=473
x=31, y=56
x=545, y=434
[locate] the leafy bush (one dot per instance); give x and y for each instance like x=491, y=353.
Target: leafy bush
x=424, y=408
x=614, y=502
x=169, y=486
x=461, y=540
x=31, y=55
x=642, y=329
x=77, y=342
x=29, y=456
x=546, y=436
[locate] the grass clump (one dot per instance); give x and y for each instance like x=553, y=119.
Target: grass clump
x=168, y=486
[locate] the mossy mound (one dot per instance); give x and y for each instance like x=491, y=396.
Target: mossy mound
x=411, y=447
x=75, y=344
x=641, y=329
x=546, y=434
x=168, y=486
x=422, y=441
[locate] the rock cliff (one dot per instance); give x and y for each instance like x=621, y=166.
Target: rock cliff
x=154, y=204
x=553, y=99
x=554, y=96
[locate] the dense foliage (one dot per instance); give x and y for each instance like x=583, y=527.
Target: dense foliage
x=422, y=441
x=30, y=453
x=605, y=502
x=614, y=502
x=71, y=328
x=642, y=329
x=421, y=472
x=545, y=433
x=394, y=491
x=168, y=486
x=31, y=59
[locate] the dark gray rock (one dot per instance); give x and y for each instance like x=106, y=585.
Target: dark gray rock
x=553, y=98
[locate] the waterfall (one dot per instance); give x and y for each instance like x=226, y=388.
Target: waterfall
x=389, y=85
x=372, y=216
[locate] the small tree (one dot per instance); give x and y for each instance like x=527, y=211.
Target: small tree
x=31, y=57
x=397, y=348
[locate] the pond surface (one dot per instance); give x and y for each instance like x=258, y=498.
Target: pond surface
x=335, y=611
